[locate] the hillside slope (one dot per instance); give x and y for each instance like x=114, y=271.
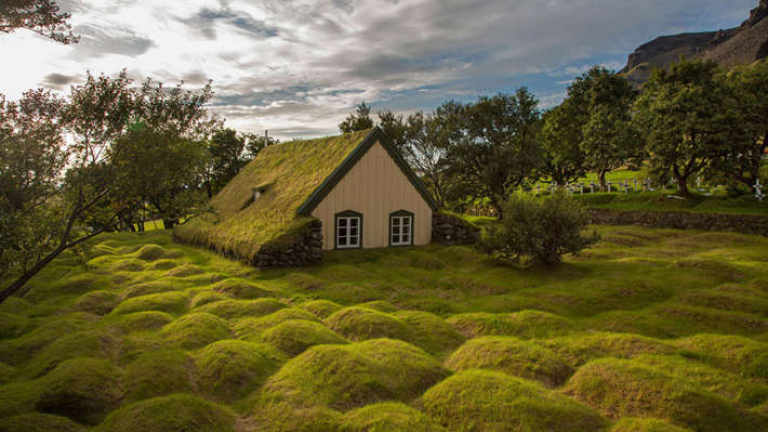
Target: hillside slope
x=741, y=45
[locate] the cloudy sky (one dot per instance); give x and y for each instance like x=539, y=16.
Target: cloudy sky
x=297, y=67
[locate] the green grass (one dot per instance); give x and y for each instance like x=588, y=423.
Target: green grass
x=650, y=330
x=661, y=201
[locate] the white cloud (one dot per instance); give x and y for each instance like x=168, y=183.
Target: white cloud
x=299, y=66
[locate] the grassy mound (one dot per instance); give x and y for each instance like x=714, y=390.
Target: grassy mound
x=487, y=401
x=175, y=413
x=629, y=424
x=133, y=266
x=163, y=264
x=579, y=348
x=186, y=270
x=196, y=330
x=229, y=309
x=512, y=356
x=174, y=303
x=89, y=343
x=321, y=308
x=432, y=333
x=230, y=369
x=21, y=349
x=625, y=388
x=251, y=328
x=7, y=373
x=525, y=324
x=241, y=289
x=205, y=297
x=97, y=302
x=39, y=422
x=350, y=376
x=139, y=321
x=150, y=252
x=11, y=325
x=728, y=385
x=281, y=417
x=380, y=305
x=357, y=323
x=154, y=287
x=737, y=354
x=388, y=417
x=293, y=337
x=14, y=305
x=158, y=373
x=83, y=389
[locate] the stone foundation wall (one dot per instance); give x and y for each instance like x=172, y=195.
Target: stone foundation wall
x=451, y=230
x=741, y=223
x=305, y=250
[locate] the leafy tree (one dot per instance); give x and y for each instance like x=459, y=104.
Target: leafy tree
x=41, y=16
x=255, y=143
x=394, y=127
x=427, y=139
x=539, y=230
x=226, y=150
x=749, y=85
x=601, y=101
x=360, y=120
x=689, y=117
x=561, y=137
x=58, y=193
x=497, y=147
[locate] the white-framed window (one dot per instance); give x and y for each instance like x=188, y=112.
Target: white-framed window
x=401, y=229
x=348, y=231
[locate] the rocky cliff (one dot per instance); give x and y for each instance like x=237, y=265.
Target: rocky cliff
x=741, y=45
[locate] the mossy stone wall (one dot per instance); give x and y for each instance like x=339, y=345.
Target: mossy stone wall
x=306, y=249
x=451, y=230
x=741, y=223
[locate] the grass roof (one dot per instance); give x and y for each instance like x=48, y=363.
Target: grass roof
x=288, y=174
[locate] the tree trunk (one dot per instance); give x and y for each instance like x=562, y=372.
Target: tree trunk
x=169, y=223
x=601, y=180
x=21, y=281
x=682, y=184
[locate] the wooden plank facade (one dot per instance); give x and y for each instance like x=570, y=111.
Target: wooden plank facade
x=377, y=189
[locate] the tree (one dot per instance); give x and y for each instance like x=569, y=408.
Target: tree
x=255, y=143
x=601, y=101
x=426, y=142
x=749, y=85
x=226, y=150
x=394, y=127
x=360, y=120
x=541, y=230
x=76, y=195
x=689, y=117
x=561, y=137
x=497, y=148
x=41, y=16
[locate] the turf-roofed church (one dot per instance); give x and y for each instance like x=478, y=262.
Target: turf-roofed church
x=295, y=199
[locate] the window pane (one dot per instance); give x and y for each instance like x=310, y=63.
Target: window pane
x=342, y=232
x=407, y=221
x=342, y=241
x=353, y=241
x=406, y=238
x=395, y=230
x=353, y=222
x=342, y=222
x=395, y=239
x=353, y=232
x=396, y=221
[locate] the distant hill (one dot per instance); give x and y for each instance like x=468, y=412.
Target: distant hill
x=741, y=45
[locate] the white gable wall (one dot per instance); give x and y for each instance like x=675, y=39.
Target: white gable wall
x=375, y=187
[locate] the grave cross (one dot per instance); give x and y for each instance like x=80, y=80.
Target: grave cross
x=759, y=190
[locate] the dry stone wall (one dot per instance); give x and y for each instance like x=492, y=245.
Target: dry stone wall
x=306, y=249
x=451, y=230
x=741, y=223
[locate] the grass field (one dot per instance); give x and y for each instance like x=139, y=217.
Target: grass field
x=650, y=330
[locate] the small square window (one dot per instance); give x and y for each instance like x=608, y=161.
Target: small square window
x=353, y=222
x=342, y=222
x=342, y=241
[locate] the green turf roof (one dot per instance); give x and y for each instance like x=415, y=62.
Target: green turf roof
x=291, y=173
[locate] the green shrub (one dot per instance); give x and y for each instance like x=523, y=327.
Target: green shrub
x=39, y=422
x=539, y=229
x=230, y=369
x=175, y=413
x=388, y=417
x=486, y=401
x=158, y=373
x=625, y=388
x=321, y=308
x=293, y=337
x=357, y=323
x=229, y=309
x=512, y=356
x=82, y=389
x=350, y=376
x=195, y=330
x=524, y=324
x=97, y=302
